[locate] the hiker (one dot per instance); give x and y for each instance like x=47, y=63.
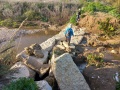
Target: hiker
x=78, y=15
x=68, y=33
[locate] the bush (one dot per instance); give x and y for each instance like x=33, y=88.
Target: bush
x=95, y=59
x=7, y=59
x=118, y=86
x=22, y=84
x=107, y=27
x=9, y=23
x=73, y=19
x=96, y=7
x=29, y=14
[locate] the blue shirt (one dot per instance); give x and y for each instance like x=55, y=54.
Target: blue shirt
x=71, y=33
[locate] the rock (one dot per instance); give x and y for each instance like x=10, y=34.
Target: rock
x=21, y=56
x=114, y=52
x=20, y=70
x=67, y=73
x=76, y=39
x=35, y=47
x=72, y=46
x=100, y=49
x=65, y=44
x=61, y=47
x=79, y=59
x=68, y=50
x=29, y=51
x=32, y=63
x=59, y=42
x=38, y=53
x=44, y=69
x=45, y=58
x=57, y=51
x=48, y=44
x=43, y=85
x=52, y=82
x=90, y=42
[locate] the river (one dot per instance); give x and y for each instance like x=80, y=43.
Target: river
x=27, y=40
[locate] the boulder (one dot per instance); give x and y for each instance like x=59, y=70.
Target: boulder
x=48, y=44
x=32, y=63
x=57, y=51
x=38, y=53
x=79, y=59
x=114, y=51
x=28, y=51
x=43, y=85
x=52, y=82
x=76, y=39
x=67, y=73
x=20, y=70
x=65, y=44
x=100, y=49
x=21, y=56
x=35, y=47
x=72, y=46
x=60, y=46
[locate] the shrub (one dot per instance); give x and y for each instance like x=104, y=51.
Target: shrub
x=15, y=25
x=118, y=86
x=96, y=7
x=7, y=22
x=73, y=19
x=29, y=14
x=7, y=59
x=95, y=59
x=107, y=27
x=22, y=84
x=40, y=5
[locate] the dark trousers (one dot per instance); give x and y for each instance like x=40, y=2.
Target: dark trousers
x=68, y=39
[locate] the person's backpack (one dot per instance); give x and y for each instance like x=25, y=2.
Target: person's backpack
x=68, y=33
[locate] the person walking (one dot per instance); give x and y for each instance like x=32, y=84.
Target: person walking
x=78, y=15
x=68, y=33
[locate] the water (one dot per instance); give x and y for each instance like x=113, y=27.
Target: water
x=27, y=40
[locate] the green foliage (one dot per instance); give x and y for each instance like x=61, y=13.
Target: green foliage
x=15, y=25
x=115, y=13
x=95, y=59
x=107, y=27
x=51, y=7
x=7, y=5
x=7, y=59
x=3, y=69
x=22, y=84
x=6, y=22
x=40, y=5
x=9, y=23
x=73, y=19
x=30, y=14
x=118, y=86
x=96, y=7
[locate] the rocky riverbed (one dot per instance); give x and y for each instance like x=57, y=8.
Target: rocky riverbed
x=61, y=65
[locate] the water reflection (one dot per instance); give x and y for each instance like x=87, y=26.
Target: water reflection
x=27, y=40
